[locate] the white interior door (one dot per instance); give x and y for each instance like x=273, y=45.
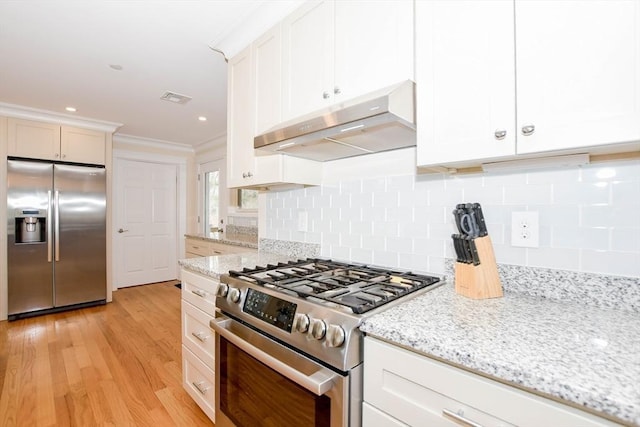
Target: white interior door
x=146, y=223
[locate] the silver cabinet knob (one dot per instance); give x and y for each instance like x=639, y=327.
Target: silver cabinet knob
x=247, y=174
x=318, y=329
x=335, y=336
x=121, y=230
x=337, y=90
x=500, y=134
x=325, y=95
x=234, y=295
x=223, y=290
x=528, y=129
x=301, y=323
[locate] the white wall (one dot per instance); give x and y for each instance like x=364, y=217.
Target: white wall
x=385, y=214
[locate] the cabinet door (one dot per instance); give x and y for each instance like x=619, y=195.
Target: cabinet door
x=307, y=59
x=373, y=45
x=465, y=81
x=578, y=69
x=267, y=69
x=240, y=157
x=82, y=146
x=34, y=140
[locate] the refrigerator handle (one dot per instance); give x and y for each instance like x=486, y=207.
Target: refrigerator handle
x=56, y=237
x=49, y=226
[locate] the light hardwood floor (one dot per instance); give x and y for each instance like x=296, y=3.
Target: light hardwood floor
x=113, y=365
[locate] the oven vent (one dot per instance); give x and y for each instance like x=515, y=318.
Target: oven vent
x=176, y=98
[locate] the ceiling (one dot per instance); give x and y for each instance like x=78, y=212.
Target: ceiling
x=113, y=60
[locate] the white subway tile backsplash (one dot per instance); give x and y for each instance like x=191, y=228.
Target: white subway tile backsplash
x=611, y=262
x=587, y=217
x=536, y=194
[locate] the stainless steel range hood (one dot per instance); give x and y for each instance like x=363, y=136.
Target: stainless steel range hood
x=380, y=121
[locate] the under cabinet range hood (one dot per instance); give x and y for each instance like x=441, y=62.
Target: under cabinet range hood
x=380, y=121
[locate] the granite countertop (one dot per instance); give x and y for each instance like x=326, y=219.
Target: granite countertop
x=236, y=239
x=588, y=356
x=214, y=266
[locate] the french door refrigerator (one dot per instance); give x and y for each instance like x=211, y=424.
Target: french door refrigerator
x=56, y=237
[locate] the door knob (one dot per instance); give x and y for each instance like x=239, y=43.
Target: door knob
x=122, y=231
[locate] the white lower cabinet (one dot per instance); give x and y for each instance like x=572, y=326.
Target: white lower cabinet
x=404, y=388
x=198, y=340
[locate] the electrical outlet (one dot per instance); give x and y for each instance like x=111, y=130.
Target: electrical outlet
x=525, y=229
x=303, y=221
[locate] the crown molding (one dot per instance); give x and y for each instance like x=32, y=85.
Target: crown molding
x=28, y=113
x=153, y=143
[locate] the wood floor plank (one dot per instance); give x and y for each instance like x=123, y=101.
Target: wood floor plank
x=112, y=365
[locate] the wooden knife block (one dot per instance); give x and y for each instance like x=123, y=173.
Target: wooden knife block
x=479, y=281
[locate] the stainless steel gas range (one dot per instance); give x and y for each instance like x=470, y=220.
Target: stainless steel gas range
x=288, y=347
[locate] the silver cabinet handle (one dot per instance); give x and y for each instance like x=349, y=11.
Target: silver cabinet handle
x=500, y=134
x=49, y=227
x=337, y=90
x=201, y=386
x=459, y=419
x=200, y=336
x=56, y=219
x=201, y=294
x=528, y=129
x=121, y=230
x=325, y=95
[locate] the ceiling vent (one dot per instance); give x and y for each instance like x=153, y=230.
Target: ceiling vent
x=176, y=98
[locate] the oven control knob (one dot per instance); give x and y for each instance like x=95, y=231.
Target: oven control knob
x=301, y=323
x=223, y=290
x=234, y=295
x=318, y=329
x=335, y=336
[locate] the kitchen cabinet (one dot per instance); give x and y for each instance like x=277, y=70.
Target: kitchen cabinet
x=48, y=141
x=404, y=388
x=501, y=79
x=198, y=248
x=198, y=340
x=334, y=51
x=248, y=93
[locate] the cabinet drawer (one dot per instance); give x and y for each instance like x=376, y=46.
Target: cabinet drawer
x=199, y=381
x=373, y=417
x=198, y=247
x=411, y=387
x=199, y=290
x=197, y=336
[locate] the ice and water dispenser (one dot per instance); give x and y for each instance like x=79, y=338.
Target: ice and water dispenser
x=31, y=225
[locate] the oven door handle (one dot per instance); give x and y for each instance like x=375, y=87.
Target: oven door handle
x=319, y=382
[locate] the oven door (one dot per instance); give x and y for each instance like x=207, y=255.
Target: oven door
x=260, y=382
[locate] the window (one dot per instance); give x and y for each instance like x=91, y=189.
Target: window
x=247, y=199
x=212, y=194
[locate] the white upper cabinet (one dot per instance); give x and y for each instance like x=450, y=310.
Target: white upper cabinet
x=373, y=46
x=49, y=141
x=578, y=73
x=562, y=76
x=307, y=72
x=337, y=50
x=240, y=156
x=267, y=71
x=253, y=105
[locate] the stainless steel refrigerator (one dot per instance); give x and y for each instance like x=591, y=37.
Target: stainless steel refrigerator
x=56, y=236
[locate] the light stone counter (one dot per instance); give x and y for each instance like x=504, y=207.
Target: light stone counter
x=215, y=266
x=588, y=356
x=235, y=239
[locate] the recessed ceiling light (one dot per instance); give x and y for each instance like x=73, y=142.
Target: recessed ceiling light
x=202, y=118
x=116, y=67
x=70, y=109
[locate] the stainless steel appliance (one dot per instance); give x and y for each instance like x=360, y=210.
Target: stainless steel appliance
x=288, y=347
x=379, y=121
x=56, y=237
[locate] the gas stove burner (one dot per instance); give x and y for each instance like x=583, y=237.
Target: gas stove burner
x=359, y=288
